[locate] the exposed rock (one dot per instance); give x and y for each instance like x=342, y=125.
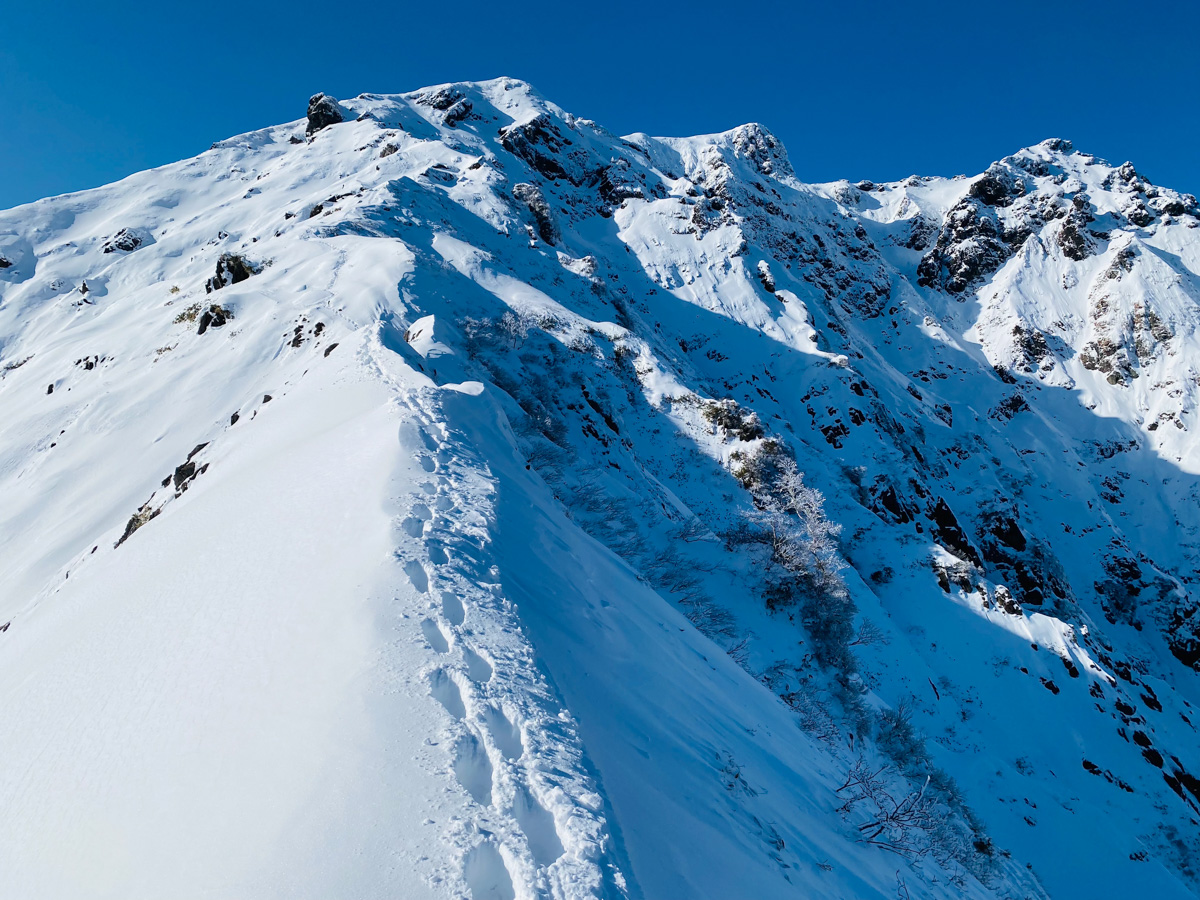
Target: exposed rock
x=1032, y=348
x=1123, y=261
x=1183, y=633
x=231, y=269
x=459, y=111
x=1107, y=356
x=765, y=276
x=618, y=184
x=1120, y=591
x=1171, y=205
x=124, y=240
x=137, y=520
x=1006, y=602
x=188, y=471
x=535, y=201
x=1073, y=236
x=450, y=101
x=950, y=534
x=972, y=244
x=890, y=504
x=184, y=473
x=551, y=151
x=4, y=263
x=323, y=111
x=756, y=143
x=996, y=187
x=922, y=234
x=214, y=316
x=441, y=99
x=1138, y=214
x=1007, y=408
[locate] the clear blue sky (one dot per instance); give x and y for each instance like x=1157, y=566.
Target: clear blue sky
x=856, y=88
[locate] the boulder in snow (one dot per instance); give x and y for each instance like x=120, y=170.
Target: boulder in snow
x=231, y=268
x=126, y=241
x=323, y=111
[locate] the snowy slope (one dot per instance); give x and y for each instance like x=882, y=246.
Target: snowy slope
x=378, y=502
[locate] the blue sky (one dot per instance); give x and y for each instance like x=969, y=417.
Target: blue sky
x=856, y=88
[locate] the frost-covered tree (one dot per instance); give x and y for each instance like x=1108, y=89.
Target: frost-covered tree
x=790, y=516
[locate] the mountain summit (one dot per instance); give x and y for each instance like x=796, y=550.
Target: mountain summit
x=441, y=496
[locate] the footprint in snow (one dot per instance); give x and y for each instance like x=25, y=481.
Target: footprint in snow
x=445, y=690
x=417, y=575
x=487, y=875
x=540, y=830
x=452, y=609
x=473, y=769
x=433, y=634
x=479, y=669
x=504, y=733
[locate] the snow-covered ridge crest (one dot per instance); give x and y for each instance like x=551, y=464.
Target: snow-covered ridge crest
x=440, y=492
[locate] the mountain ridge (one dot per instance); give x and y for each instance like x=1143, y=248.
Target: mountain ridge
x=612, y=346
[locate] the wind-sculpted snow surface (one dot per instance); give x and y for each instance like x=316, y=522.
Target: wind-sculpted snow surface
x=440, y=496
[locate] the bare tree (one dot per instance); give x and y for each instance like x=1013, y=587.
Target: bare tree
x=901, y=823
x=869, y=633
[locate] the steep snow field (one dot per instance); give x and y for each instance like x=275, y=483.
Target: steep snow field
x=386, y=498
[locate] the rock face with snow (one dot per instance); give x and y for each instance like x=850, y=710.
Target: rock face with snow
x=469, y=502
x=323, y=111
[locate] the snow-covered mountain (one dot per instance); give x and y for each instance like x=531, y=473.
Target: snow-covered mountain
x=441, y=496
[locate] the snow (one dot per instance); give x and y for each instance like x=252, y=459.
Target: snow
x=421, y=575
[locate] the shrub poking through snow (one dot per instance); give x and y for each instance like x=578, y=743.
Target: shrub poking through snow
x=733, y=420
x=188, y=315
x=144, y=514
x=928, y=814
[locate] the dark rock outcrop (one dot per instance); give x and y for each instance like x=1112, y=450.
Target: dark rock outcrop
x=996, y=187
x=1073, y=237
x=323, y=111
x=214, y=316
x=441, y=99
x=950, y=534
x=617, y=183
x=535, y=201
x=763, y=149
x=972, y=244
x=231, y=269
x=124, y=240
x=554, y=149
